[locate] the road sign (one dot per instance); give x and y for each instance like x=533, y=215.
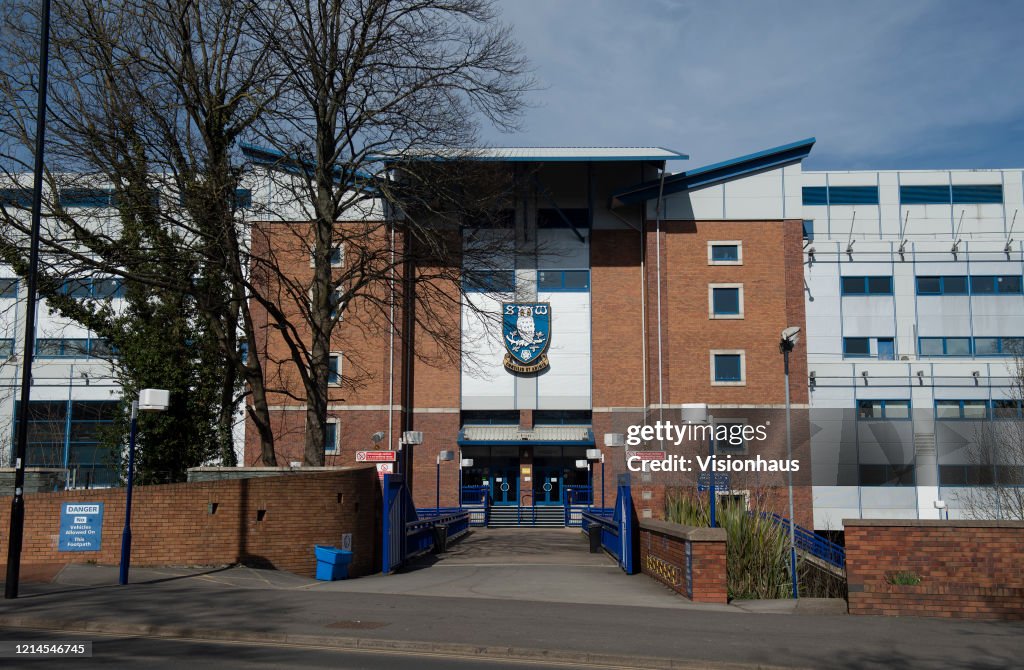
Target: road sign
x=646, y=455
x=721, y=481
x=375, y=456
x=81, y=527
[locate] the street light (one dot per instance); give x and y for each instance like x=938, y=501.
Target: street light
x=790, y=336
x=441, y=456
x=697, y=412
x=150, y=400
x=610, y=440
x=409, y=438
x=595, y=455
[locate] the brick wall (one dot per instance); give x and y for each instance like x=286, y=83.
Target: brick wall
x=968, y=569
x=174, y=525
x=690, y=561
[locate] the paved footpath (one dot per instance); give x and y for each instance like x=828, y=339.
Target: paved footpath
x=567, y=626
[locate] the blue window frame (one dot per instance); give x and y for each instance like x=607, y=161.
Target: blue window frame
x=486, y=417
x=6, y=348
x=961, y=409
x=86, y=197
x=1007, y=409
x=489, y=281
x=944, y=346
x=809, y=230
x=870, y=285
x=99, y=289
x=18, y=197
x=977, y=194
x=243, y=198
x=958, y=194
x=980, y=475
x=331, y=437
x=883, y=409
x=725, y=301
x=995, y=284
x=944, y=285
x=886, y=349
x=573, y=281
x=562, y=417
x=856, y=347
x=725, y=252
x=728, y=368
x=8, y=287
x=888, y=474
x=931, y=194
x=68, y=434
x=80, y=347
x=840, y=195
x=334, y=369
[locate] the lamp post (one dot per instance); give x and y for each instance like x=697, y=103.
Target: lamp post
x=463, y=463
x=594, y=455
x=410, y=438
x=441, y=456
x=610, y=440
x=790, y=336
x=150, y=400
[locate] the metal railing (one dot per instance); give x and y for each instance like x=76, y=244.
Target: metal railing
x=617, y=527
x=810, y=542
x=404, y=534
x=474, y=495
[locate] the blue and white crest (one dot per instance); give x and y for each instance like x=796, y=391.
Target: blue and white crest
x=526, y=330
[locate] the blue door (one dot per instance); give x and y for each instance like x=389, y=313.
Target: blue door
x=547, y=486
x=505, y=486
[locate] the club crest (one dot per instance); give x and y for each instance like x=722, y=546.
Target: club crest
x=526, y=330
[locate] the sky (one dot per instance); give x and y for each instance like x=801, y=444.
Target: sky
x=904, y=84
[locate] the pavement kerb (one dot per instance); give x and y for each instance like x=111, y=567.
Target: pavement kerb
x=372, y=644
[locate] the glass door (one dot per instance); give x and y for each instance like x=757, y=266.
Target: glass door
x=505, y=486
x=547, y=486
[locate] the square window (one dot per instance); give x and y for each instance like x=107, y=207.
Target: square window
x=897, y=409
x=975, y=409
x=1009, y=284
x=869, y=409
x=48, y=347
x=1005, y=409
x=929, y=285
x=958, y=346
x=725, y=300
x=576, y=280
x=108, y=288
x=880, y=285
x=954, y=285
x=8, y=287
x=886, y=349
x=1012, y=346
x=947, y=409
x=983, y=285
x=931, y=346
x=337, y=256
x=76, y=348
x=856, y=346
x=78, y=288
x=853, y=286
x=986, y=346
x=728, y=368
x=549, y=279
x=6, y=348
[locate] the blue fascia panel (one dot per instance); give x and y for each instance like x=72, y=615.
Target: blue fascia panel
x=277, y=159
x=716, y=173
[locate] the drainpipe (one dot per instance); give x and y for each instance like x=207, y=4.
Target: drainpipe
x=657, y=220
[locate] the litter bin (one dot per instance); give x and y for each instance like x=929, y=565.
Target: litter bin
x=440, y=538
x=331, y=563
x=594, y=532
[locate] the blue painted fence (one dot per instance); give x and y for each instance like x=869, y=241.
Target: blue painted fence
x=405, y=534
x=808, y=541
x=618, y=529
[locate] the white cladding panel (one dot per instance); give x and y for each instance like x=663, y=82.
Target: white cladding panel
x=486, y=384
x=566, y=384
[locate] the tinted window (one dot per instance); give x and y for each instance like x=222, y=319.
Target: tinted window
x=857, y=346
x=1009, y=284
x=8, y=287
x=947, y=409
x=929, y=285
x=931, y=346
x=853, y=285
x=954, y=284
x=958, y=346
x=880, y=285
x=727, y=367
x=983, y=284
x=897, y=409
x=576, y=279
x=725, y=252
x=726, y=300
x=986, y=346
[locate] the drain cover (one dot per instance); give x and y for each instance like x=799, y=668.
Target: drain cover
x=357, y=624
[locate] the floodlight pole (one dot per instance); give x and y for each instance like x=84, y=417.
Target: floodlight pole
x=126, y=534
x=17, y=524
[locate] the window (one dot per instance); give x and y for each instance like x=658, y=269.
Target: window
x=331, y=436
x=887, y=475
x=489, y=281
x=86, y=197
x=886, y=349
x=961, y=409
x=68, y=434
x=563, y=280
x=335, y=303
x=883, y=409
x=563, y=218
x=100, y=289
x=874, y=285
x=8, y=287
x=334, y=370
x=957, y=194
x=6, y=348
x=243, y=198
x=856, y=347
x=82, y=347
x=728, y=368
x=337, y=256
x=1002, y=284
x=728, y=252
x=570, y=417
x=484, y=417
x=19, y=197
x=944, y=346
x=840, y=195
x=725, y=301
x=946, y=285
x=809, y=230
x=1007, y=409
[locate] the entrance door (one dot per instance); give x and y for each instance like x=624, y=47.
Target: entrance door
x=547, y=486
x=505, y=486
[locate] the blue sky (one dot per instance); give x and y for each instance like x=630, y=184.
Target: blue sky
x=894, y=84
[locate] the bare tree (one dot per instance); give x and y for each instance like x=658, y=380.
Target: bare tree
x=995, y=480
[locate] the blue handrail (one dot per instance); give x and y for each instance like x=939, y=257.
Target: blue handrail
x=810, y=542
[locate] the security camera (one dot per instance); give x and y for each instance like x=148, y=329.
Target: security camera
x=377, y=437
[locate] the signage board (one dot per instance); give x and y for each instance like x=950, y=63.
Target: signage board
x=721, y=481
x=385, y=469
x=646, y=455
x=375, y=456
x=81, y=526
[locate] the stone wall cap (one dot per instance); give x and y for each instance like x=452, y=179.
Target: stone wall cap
x=935, y=523
x=691, y=533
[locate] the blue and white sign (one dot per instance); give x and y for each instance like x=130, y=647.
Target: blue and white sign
x=81, y=527
x=721, y=481
x=526, y=330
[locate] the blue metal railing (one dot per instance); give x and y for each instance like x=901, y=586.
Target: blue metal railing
x=404, y=534
x=617, y=527
x=808, y=541
x=474, y=495
x=579, y=494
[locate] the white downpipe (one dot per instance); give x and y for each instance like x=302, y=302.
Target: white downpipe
x=657, y=232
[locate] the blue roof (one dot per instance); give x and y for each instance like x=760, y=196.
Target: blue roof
x=544, y=154
x=716, y=173
x=278, y=160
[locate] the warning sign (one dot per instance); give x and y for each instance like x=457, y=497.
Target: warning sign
x=81, y=527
